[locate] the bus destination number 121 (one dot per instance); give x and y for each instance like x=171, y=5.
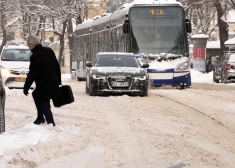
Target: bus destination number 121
x=157, y=12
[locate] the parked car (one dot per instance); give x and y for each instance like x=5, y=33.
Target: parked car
x=2, y=106
x=224, y=68
x=14, y=61
x=116, y=72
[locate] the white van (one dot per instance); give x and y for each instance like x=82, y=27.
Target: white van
x=14, y=62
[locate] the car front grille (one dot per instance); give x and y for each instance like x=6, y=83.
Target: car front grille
x=19, y=72
x=120, y=79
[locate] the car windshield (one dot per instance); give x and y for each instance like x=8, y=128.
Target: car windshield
x=232, y=57
x=116, y=61
x=16, y=55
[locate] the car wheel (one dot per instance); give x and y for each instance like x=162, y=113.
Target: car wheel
x=2, y=119
x=90, y=89
x=86, y=88
x=214, y=78
x=144, y=92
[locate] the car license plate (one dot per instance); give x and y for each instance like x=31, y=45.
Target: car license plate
x=20, y=79
x=120, y=84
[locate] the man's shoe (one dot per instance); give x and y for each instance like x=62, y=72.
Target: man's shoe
x=52, y=124
x=39, y=121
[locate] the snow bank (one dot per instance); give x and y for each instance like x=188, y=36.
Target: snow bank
x=200, y=77
x=30, y=134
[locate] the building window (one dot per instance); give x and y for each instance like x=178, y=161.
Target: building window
x=51, y=39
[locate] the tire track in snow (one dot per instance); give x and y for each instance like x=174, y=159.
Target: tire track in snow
x=125, y=139
x=193, y=109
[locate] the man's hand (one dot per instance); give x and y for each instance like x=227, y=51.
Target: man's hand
x=25, y=92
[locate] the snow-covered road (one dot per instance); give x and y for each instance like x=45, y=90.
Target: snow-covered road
x=171, y=128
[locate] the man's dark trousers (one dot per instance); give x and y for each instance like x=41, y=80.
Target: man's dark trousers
x=43, y=107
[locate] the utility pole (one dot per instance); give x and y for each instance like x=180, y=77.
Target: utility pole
x=43, y=31
x=86, y=11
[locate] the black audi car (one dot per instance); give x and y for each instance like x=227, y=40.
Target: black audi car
x=115, y=72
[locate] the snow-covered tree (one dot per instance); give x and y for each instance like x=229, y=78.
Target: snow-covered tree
x=3, y=23
x=31, y=16
x=232, y=3
x=57, y=15
x=203, y=13
x=8, y=21
x=60, y=15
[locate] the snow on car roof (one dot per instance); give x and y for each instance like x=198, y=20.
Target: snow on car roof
x=15, y=47
x=164, y=2
x=116, y=53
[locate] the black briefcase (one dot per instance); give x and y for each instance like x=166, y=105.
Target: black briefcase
x=66, y=96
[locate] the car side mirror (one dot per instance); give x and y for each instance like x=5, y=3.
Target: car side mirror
x=125, y=28
x=145, y=66
x=188, y=26
x=89, y=64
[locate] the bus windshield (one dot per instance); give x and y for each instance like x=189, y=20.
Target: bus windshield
x=158, y=29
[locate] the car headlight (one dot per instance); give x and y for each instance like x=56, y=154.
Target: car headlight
x=5, y=72
x=98, y=77
x=140, y=77
x=182, y=66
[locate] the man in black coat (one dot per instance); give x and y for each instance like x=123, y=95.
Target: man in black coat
x=44, y=70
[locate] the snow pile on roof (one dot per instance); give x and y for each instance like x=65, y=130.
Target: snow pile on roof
x=213, y=44
x=230, y=41
x=202, y=36
x=229, y=17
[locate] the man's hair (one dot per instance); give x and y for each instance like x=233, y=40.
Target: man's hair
x=32, y=39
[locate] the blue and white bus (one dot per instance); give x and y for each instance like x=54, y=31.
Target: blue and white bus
x=155, y=30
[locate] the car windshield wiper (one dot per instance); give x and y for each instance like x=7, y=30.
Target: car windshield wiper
x=173, y=48
x=164, y=56
x=7, y=60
